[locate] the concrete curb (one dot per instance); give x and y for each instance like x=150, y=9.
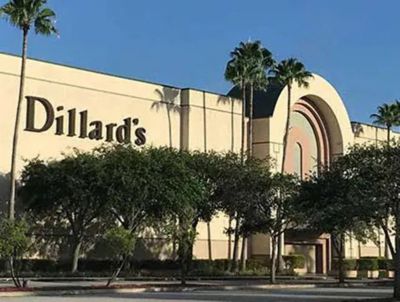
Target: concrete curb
x=88, y=291
x=48, y=291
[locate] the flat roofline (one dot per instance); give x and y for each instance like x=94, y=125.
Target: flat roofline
x=111, y=74
x=374, y=126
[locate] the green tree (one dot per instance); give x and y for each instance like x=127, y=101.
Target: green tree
x=25, y=14
x=287, y=73
x=273, y=210
x=120, y=244
x=14, y=242
x=131, y=189
x=330, y=203
x=207, y=168
x=236, y=190
x=70, y=192
x=376, y=170
x=179, y=198
x=388, y=115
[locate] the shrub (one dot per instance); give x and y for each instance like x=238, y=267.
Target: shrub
x=367, y=264
x=350, y=264
x=221, y=264
x=294, y=261
x=385, y=264
x=257, y=264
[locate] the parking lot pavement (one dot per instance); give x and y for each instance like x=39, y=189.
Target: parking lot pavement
x=276, y=295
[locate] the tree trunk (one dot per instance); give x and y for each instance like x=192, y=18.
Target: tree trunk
x=243, y=122
x=272, y=274
x=285, y=142
x=388, y=135
x=235, y=246
x=14, y=276
x=11, y=210
x=117, y=271
x=209, y=241
x=286, y=135
x=397, y=260
x=75, y=256
x=243, y=254
x=280, y=264
x=250, y=128
x=230, y=239
x=388, y=243
x=232, y=125
x=338, y=245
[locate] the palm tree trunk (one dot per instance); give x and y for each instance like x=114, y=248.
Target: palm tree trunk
x=286, y=135
x=285, y=142
x=11, y=210
x=386, y=226
x=250, y=129
x=243, y=121
x=397, y=260
x=232, y=126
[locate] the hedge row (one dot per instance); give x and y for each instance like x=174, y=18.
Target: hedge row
x=366, y=264
x=103, y=266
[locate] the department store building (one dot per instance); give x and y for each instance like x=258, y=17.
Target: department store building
x=67, y=108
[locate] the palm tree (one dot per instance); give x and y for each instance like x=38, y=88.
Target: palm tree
x=247, y=70
x=25, y=14
x=287, y=73
x=388, y=115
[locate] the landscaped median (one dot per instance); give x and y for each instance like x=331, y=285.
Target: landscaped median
x=62, y=288
x=75, y=286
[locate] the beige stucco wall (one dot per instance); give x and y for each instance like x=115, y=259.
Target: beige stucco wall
x=370, y=134
x=198, y=120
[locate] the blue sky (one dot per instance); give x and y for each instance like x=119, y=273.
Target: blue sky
x=354, y=44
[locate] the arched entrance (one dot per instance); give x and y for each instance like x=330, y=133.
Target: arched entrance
x=320, y=130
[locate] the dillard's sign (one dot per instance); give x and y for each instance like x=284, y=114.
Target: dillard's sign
x=66, y=124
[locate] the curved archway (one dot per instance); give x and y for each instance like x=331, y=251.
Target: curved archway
x=323, y=108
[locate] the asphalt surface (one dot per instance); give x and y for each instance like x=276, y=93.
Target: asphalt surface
x=271, y=295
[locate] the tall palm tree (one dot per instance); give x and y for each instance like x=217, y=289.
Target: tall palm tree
x=287, y=73
x=25, y=14
x=247, y=70
x=388, y=115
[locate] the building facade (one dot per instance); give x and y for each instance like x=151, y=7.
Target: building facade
x=67, y=108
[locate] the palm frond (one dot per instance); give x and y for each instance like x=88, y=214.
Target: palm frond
x=26, y=13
